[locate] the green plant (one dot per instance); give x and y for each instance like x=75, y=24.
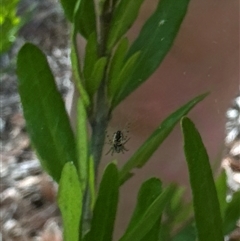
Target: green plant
x=9, y=22
x=109, y=72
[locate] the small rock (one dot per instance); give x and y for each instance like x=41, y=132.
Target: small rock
x=26, y=168
x=28, y=182
x=9, y=195
x=51, y=231
x=6, y=163
x=235, y=150
x=12, y=228
x=2, y=125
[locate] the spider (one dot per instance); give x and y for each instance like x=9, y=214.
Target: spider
x=118, y=141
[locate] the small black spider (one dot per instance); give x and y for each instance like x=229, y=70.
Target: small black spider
x=118, y=141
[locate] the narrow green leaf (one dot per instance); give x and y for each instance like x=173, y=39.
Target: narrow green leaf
x=154, y=42
x=47, y=121
x=70, y=202
x=165, y=231
x=123, y=18
x=91, y=181
x=91, y=56
x=205, y=201
x=142, y=155
x=153, y=234
x=188, y=233
x=232, y=214
x=77, y=73
x=10, y=23
x=184, y=214
x=82, y=144
x=104, y=6
x=149, y=218
x=221, y=186
x=85, y=18
x=176, y=203
x=177, y=213
x=68, y=7
x=106, y=206
x=147, y=194
x=117, y=63
x=92, y=84
x=86, y=236
x=125, y=72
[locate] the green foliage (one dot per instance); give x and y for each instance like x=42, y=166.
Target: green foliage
x=108, y=72
x=188, y=233
x=142, y=155
x=106, y=206
x=126, y=70
x=96, y=76
x=205, y=201
x=68, y=7
x=70, y=201
x=47, y=121
x=116, y=65
x=142, y=226
x=148, y=192
x=84, y=17
x=154, y=42
x=177, y=213
x=82, y=145
x=222, y=192
x=78, y=79
x=9, y=23
x=91, y=56
x=232, y=214
x=123, y=17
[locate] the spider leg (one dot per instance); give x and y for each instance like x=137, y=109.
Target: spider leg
x=126, y=141
x=111, y=149
x=123, y=147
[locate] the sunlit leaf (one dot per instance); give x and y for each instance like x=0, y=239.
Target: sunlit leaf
x=82, y=144
x=70, y=202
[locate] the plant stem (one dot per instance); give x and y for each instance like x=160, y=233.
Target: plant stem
x=87, y=215
x=99, y=126
x=99, y=118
